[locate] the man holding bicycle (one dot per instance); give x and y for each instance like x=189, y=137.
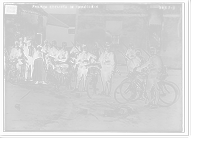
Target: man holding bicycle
x=154, y=66
x=63, y=62
x=83, y=60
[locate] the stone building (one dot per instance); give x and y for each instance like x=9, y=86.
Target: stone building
x=141, y=24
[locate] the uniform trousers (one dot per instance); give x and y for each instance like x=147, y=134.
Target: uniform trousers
x=106, y=77
x=150, y=83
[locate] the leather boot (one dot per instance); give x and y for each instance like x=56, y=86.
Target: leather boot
x=84, y=83
x=109, y=89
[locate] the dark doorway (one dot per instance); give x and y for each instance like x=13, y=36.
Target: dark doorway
x=155, y=26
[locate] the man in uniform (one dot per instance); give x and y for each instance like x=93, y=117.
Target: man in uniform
x=108, y=63
x=45, y=49
x=96, y=51
x=138, y=61
x=17, y=54
x=64, y=57
x=53, y=51
x=131, y=54
x=76, y=49
x=156, y=66
x=83, y=60
x=29, y=52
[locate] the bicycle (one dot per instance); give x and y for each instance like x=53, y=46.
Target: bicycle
x=132, y=89
x=93, y=88
x=14, y=75
x=59, y=75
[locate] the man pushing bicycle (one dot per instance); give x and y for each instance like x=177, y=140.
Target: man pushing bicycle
x=154, y=67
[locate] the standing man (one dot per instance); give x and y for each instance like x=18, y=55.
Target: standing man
x=96, y=51
x=76, y=49
x=46, y=47
x=138, y=61
x=83, y=60
x=131, y=54
x=156, y=66
x=53, y=51
x=17, y=54
x=45, y=50
x=29, y=52
x=64, y=57
x=108, y=63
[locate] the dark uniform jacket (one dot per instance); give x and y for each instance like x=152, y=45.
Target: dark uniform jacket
x=83, y=58
x=131, y=54
x=26, y=51
x=53, y=51
x=156, y=66
x=108, y=61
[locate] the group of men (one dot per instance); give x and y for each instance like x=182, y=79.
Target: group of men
x=40, y=58
x=153, y=65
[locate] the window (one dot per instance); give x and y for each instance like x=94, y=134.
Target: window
x=71, y=31
x=115, y=39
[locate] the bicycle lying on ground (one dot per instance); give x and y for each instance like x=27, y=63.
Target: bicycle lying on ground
x=132, y=89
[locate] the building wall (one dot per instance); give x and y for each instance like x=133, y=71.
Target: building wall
x=130, y=22
x=71, y=37
x=171, y=37
x=98, y=25
x=27, y=25
x=60, y=34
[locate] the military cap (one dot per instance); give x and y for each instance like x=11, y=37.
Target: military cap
x=108, y=44
x=83, y=45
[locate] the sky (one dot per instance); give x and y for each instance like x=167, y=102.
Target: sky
x=59, y=8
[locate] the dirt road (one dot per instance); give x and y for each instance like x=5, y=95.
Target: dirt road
x=31, y=107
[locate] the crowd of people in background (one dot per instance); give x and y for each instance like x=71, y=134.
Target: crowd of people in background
x=35, y=63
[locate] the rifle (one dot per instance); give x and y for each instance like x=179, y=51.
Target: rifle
x=125, y=45
x=115, y=67
x=75, y=47
x=126, y=56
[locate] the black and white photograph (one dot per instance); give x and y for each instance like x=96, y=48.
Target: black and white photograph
x=95, y=67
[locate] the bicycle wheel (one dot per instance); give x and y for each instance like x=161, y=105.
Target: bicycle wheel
x=118, y=97
x=168, y=93
x=93, y=86
x=14, y=76
x=128, y=91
